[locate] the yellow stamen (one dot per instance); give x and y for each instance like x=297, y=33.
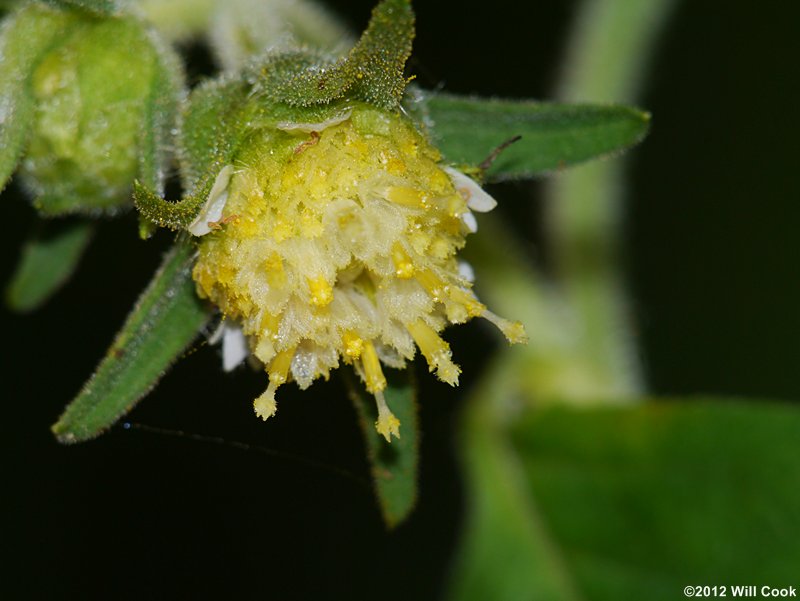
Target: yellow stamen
x=435, y=350
x=432, y=283
x=514, y=331
x=321, y=291
x=373, y=373
x=408, y=197
x=403, y=266
x=265, y=405
x=473, y=306
x=387, y=424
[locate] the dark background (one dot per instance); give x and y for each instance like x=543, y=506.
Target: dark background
x=711, y=253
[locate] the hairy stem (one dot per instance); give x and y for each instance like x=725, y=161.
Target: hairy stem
x=605, y=60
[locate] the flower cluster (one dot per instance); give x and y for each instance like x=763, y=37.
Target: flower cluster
x=337, y=242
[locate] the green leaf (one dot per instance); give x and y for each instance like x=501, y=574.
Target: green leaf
x=554, y=136
x=372, y=71
x=637, y=503
x=98, y=7
x=394, y=465
x=681, y=493
x=24, y=38
x=47, y=262
x=163, y=323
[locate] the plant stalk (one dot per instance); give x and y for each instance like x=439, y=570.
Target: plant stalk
x=605, y=62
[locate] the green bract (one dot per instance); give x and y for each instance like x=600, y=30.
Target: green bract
x=90, y=103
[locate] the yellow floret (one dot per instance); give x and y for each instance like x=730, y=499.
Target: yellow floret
x=387, y=424
x=436, y=351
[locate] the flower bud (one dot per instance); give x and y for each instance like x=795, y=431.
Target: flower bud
x=103, y=98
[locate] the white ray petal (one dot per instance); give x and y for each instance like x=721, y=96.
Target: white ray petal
x=234, y=346
x=469, y=220
x=476, y=197
x=212, y=209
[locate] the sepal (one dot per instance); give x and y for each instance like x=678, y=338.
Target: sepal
x=372, y=71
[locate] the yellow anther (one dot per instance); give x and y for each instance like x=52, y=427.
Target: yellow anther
x=435, y=350
x=353, y=345
x=403, y=266
x=372, y=368
x=408, y=197
x=321, y=291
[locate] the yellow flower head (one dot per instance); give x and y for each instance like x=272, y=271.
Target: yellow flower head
x=337, y=242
